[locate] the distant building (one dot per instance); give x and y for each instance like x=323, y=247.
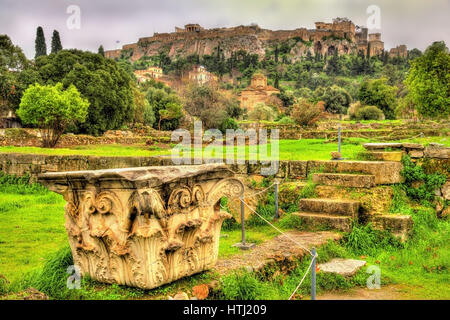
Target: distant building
x=200, y=75
x=399, y=51
x=258, y=91
x=149, y=73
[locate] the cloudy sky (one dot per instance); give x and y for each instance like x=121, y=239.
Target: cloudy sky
x=415, y=23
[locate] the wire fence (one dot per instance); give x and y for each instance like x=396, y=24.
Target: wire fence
x=312, y=252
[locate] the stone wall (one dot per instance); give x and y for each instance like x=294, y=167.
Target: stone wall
x=22, y=164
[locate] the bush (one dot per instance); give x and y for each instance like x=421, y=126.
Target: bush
x=418, y=185
x=229, y=123
x=306, y=113
x=369, y=113
x=262, y=112
x=353, y=109
x=286, y=120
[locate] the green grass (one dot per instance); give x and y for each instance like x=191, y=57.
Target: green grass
x=304, y=149
x=31, y=227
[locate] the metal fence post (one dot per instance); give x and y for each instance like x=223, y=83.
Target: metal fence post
x=313, y=275
x=277, y=215
x=339, y=138
x=242, y=221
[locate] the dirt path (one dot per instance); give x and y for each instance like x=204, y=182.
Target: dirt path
x=280, y=248
x=390, y=292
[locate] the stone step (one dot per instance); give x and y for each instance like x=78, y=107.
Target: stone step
x=336, y=207
x=383, y=146
x=345, y=179
x=314, y=219
x=386, y=155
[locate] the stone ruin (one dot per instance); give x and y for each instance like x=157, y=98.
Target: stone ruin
x=144, y=227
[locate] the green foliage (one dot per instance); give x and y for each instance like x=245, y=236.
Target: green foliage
x=419, y=185
x=101, y=51
x=20, y=185
x=210, y=105
x=107, y=87
x=369, y=113
x=39, y=44
x=52, y=109
x=242, y=285
x=337, y=100
x=229, y=123
x=166, y=106
x=12, y=64
x=378, y=93
x=52, y=278
x=428, y=82
x=306, y=113
x=366, y=240
x=261, y=112
x=56, y=42
x=286, y=120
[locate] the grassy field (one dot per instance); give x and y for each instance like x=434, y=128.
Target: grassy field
x=305, y=149
x=32, y=230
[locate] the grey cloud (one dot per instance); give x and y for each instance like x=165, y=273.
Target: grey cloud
x=414, y=23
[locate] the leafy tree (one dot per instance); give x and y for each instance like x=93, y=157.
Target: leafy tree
x=173, y=111
x=336, y=99
x=40, y=45
x=56, y=42
x=161, y=99
x=210, y=105
x=107, y=87
x=428, y=82
x=52, y=109
x=12, y=63
x=378, y=93
x=101, y=50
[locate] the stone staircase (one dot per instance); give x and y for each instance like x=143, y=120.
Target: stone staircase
x=334, y=213
x=345, y=179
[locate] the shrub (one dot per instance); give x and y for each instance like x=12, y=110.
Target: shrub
x=286, y=120
x=419, y=185
x=369, y=113
x=306, y=113
x=262, y=112
x=229, y=123
x=353, y=109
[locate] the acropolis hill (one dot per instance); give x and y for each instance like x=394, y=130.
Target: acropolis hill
x=341, y=35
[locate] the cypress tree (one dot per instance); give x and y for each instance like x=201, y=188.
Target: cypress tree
x=40, y=46
x=56, y=42
x=101, y=50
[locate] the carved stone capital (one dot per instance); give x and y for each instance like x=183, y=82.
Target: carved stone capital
x=144, y=227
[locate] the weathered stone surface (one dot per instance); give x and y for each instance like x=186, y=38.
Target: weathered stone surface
x=345, y=180
x=415, y=153
x=416, y=146
x=387, y=155
x=330, y=206
x=298, y=169
x=385, y=172
x=446, y=190
x=399, y=225
x=437, y=152
x=382, y=146
x=344, y=267
x=315, y=220
x=146, y=226
x=281, y=251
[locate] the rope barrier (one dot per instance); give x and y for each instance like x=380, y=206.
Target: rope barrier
x=314, y=256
